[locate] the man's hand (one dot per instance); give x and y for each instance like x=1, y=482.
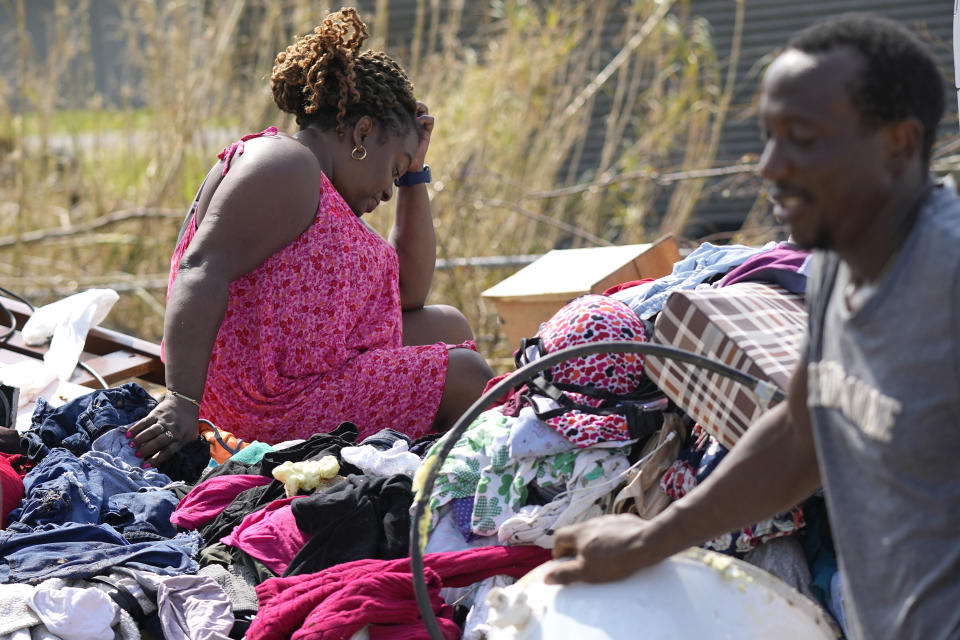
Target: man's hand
x=164, y=431
x=601, y=550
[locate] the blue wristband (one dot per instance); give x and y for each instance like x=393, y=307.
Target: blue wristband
x=411, y=178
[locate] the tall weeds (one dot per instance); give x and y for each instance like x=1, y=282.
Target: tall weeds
x=92, y=193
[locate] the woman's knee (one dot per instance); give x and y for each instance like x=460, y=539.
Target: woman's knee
x=468, y=366
x=467, y=375
x=435, y=323
x=455, y=323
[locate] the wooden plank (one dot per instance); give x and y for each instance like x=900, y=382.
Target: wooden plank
x=100, y=342
x=533, y=294
x=16, y=344
x=114, y=368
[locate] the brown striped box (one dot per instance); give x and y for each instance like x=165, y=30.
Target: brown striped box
x=755, y=327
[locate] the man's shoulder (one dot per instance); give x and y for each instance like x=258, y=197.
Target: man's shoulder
x=940, y=216
x=937, y=245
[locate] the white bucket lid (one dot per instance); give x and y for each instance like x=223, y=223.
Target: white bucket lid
x=695, y=594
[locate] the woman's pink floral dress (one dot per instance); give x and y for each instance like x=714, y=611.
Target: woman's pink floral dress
x=312, y=337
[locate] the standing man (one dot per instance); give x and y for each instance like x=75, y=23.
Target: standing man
x=849, y=114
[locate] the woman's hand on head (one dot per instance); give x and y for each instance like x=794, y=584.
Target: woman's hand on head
x=426, y=122
x=172, y=424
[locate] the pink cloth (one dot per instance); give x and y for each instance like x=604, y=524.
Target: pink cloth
x=206, y=500
x=270, y=535
x=337, y=602
x=312, y=337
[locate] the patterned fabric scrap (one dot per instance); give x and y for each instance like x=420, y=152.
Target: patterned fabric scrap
x=692, y=467
x=480, y=467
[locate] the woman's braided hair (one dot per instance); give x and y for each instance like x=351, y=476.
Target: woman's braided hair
x=323, y=79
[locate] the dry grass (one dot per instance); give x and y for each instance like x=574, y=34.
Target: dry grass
x=512, y=126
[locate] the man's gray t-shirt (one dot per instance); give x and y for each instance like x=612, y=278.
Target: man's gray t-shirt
x=884, y=394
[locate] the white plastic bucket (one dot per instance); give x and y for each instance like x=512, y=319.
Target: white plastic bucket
x=695, y=594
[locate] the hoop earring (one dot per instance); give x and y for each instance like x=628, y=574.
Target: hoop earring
x=359, y=152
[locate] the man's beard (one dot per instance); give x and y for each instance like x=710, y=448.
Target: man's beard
x=822, y=240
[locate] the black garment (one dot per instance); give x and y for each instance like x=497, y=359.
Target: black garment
x=188, y=463
x=9, y=440
x=384, y=439
x=421, y=446
x=317, y=446
x=246, y=502
x=180, y=489
x=225, y=555
x=361, y=517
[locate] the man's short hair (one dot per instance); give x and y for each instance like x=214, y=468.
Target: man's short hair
x=900, y=78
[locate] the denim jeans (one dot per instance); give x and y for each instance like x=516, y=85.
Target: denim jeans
x=75, y=425
x=64, y=488
x=84, y=550
x=142, y=515
x=116, y=443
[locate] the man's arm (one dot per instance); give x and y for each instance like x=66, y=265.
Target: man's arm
x=772, y=468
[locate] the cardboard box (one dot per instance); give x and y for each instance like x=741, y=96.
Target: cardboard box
x=754, y=327
x=533, y=294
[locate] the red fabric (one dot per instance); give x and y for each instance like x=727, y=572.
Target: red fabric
x=20, y=463
x=511, y=402
x=312, y=337
x=341, y=600
x=11, y=485
x=492, y=382
x=626, y=285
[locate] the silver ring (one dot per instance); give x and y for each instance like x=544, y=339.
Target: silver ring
x=169, y=435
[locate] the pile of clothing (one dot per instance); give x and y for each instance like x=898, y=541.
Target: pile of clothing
x=311, y=538
x=607, y=433
x=196, y=549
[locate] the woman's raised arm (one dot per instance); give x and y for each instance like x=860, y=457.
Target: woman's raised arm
x=412, y=235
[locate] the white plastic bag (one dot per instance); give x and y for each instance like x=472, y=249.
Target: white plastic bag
x=68, y=321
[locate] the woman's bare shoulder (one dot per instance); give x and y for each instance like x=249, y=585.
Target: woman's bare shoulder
x=281, y=153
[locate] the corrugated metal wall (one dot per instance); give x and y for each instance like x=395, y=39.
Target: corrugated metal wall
x=768, y=24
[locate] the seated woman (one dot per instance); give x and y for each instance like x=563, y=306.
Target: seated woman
x=286, y=313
